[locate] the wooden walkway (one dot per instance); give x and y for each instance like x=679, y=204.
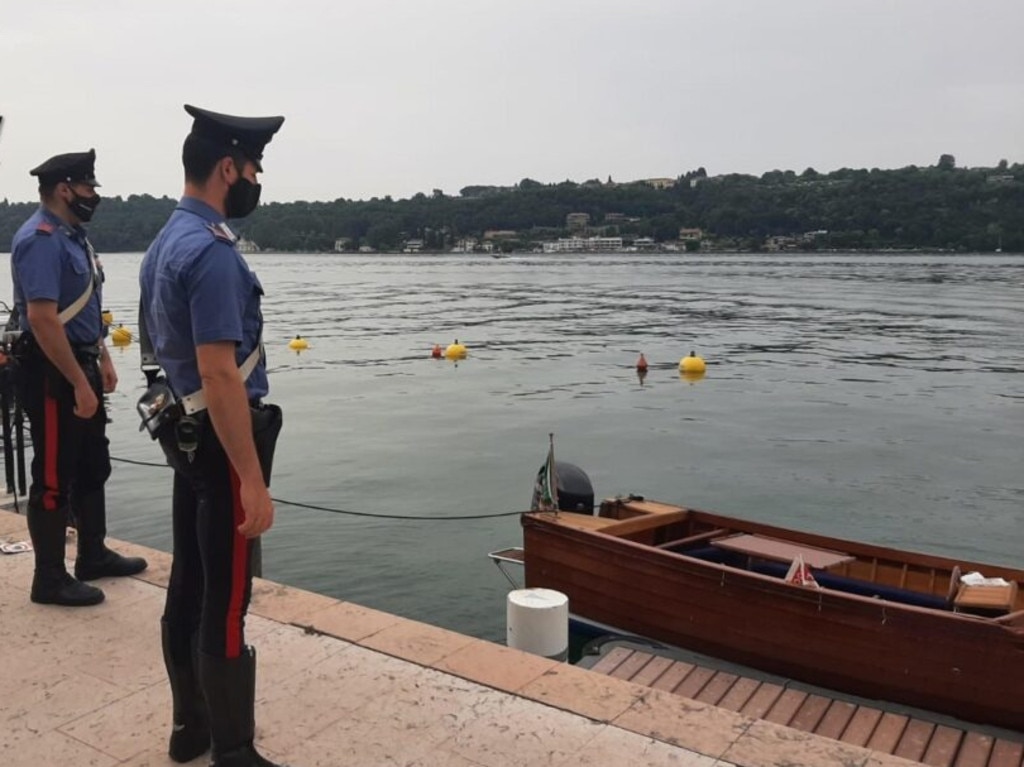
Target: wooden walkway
x=920, y=740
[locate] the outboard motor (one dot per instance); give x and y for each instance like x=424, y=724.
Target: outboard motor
x=575, y=493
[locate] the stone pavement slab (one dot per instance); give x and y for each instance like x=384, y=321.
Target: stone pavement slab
x=341, y=684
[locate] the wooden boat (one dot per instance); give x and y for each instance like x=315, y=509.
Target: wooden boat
x=881, y=623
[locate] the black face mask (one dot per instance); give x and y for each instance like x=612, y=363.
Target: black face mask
x=84, y=207
x=243, y=197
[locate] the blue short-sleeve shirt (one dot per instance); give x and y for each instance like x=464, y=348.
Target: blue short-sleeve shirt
x=196, y=289
x=52, y=261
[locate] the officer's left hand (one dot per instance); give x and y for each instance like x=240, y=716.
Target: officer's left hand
x=108, y=374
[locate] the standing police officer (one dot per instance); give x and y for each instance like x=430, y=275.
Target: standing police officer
x=201, y=309
x=65, y=370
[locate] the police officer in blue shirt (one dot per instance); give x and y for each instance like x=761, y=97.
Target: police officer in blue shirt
x=200, y=305
x=65, y=370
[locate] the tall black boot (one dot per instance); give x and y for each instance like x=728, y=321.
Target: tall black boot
x=229, y=685
x=51, y=584
x=190, y=733
x=95, y=560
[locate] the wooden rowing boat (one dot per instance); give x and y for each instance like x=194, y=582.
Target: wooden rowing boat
x=882, y=623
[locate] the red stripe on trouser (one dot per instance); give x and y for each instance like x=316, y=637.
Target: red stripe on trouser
x=239, y=566
x=50, y=431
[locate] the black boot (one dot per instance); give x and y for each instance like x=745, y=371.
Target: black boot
x=229, y=685
x=190, y=734
x=52, y=585
x=95, y=560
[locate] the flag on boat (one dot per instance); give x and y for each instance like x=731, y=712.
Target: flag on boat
x=799, y=574
x=545, y=489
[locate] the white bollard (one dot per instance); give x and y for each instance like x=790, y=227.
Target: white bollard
x=537, y=621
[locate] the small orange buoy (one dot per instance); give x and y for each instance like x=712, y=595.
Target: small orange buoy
x=437, y=352
x=641, y=364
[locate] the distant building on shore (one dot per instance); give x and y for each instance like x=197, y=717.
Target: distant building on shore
x=659, y=183
x=576, y=222
x=583, y=245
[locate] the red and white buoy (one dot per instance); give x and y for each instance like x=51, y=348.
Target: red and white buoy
x=641, y=364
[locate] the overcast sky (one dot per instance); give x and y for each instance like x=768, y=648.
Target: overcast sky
x=404, y=96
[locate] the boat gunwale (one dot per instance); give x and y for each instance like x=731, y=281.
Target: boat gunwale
x=858, y=549
x=779, y=587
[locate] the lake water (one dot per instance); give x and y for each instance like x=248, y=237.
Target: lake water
x=878, y=397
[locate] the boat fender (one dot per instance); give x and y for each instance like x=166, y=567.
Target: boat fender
x=537, y=621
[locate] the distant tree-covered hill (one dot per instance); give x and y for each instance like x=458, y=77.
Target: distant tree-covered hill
x=936, y=207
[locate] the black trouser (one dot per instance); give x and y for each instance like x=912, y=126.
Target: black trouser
x=211, y=574
x=71, y=455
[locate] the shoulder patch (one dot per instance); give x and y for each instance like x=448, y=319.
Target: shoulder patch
x=45, y=227
x=222, y=232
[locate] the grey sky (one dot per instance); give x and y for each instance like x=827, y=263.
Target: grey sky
x=404, y=96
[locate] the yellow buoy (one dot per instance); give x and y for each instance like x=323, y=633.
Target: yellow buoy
x=121, y=336
x=692, y=364
x=298, y=344
x=108, y=317
x=455, y=351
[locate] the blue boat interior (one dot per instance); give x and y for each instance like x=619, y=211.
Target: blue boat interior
x=824, y=578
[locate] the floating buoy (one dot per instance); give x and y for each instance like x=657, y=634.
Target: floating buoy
x=298, y=344
x=455, y=351
x=108, y=317
x=437, y=352
x=692, y=364
x=641, y=364
x=121, y=336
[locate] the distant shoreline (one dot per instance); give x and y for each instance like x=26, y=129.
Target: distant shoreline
x=641, y=254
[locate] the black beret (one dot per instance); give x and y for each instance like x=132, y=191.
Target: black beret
x=76, y=167
x=247, y=135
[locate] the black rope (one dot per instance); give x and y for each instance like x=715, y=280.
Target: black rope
x=347, y=512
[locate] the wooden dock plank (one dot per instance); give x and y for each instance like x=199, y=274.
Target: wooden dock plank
x=762, y=700
x=606, y=664
x=676, y=673
x=942, y=748
x=915, y=739
x=649, y=673
x=887, y=733
x=739, y=694
x=1006, y=753
x=810, y=713
x=835, y=720
x=786, y=706
x=632, y=665
x=974, y=750
x=903, y=736
x=862, y=726
x=694, y=682
x=716, y=689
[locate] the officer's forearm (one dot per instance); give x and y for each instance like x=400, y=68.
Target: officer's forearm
x=49, y=334
x=228, y=406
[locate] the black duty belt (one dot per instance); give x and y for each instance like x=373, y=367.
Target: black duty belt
x=86, y=350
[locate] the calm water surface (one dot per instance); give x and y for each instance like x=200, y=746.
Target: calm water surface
x=866, y=396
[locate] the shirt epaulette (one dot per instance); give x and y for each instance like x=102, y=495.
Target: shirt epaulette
x=222, y=232
x=45, y=227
